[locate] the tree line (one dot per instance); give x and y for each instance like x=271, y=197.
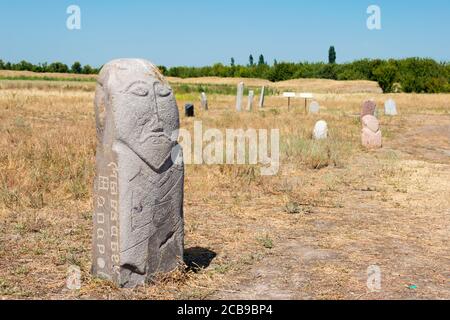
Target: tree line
x=405, y=75
x=420, y=75
x=55, y=67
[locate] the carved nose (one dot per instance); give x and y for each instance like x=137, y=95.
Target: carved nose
x=157, y=125
x=158, y=128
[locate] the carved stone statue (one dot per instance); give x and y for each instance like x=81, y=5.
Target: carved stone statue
x=371, y=134
x=138, y=188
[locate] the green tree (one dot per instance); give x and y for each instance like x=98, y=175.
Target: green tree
x=163, y=69
x=251, y=61
x=76, y=67
x=233, y=64
x=58, y=67
x=332, y=55
x=386, y=75
x=87, y=69
x=24, y=66
x=261, y=60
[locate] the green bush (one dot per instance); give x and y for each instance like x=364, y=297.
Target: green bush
x=386, y=76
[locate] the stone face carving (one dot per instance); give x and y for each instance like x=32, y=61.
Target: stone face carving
x=390, y=108
x=204, y=101
x=251, y=95
x=368, y=108
x=262, y=97
x=320, y=130
x=189, y=110
x=138, y=188
x=314, y=107
x=239, y=96
x=371, y=133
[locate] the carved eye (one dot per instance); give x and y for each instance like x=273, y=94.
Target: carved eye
x=162, y=91
x=138, y=89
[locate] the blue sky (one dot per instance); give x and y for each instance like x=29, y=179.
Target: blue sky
x=202, y=32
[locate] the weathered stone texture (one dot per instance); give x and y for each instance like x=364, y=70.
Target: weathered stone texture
x=138, y=188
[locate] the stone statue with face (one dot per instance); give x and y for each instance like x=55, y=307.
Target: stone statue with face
x=140, y=175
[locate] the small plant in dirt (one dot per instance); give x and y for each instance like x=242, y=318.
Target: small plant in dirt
x=293, y=207
x=266, y=242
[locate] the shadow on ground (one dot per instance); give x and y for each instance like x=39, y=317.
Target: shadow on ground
x=198, y=258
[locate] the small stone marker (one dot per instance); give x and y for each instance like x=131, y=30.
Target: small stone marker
x=368, y=108
x=320, y=130
x=189, y=110
x=262, y=97
x=251, y=95
x=371, y=133
x=204, y=101
x=390, y=108
x=138, y=187
x=314, y=107
x=239, y=96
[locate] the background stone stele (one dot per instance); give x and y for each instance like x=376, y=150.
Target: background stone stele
x=314, y=107
x=138, y=188
x=189, y=110
x=371, y=123
x=368, y=108
x=371, y=137
x=239, y=96
x=251, y=95
x=262, y=97
x=390, y=108
x=204, y=101
x=320, y=131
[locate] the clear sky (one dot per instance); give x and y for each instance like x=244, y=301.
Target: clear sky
x=202, y=32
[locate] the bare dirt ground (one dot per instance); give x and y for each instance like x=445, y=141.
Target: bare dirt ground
x=310, y=232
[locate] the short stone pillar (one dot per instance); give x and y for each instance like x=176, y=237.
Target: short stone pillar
x=189, y=111
x=239, y=96
x=314, y=107
x=204, y=101
x=138, y=188
x=320, y=131
x=390, y=108
x=262, y=97
x=251, y=95
x=371, y=133
x=369, y=107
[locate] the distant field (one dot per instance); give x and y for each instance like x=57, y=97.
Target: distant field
x=227, y=84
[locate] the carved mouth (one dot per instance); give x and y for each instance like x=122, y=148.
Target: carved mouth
x=156, y=138
x=155, y=149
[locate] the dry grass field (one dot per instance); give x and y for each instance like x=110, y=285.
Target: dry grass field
x=310, y=232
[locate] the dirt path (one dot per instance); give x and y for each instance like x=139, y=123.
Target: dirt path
x=395, y=214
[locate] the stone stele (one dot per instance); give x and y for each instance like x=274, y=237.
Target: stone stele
x=204, y=101
x=320, y=131
x=390, y=108
x=251, y=95
x=239, y=96
x=138, y=188
x=371, y=134
x=314, y=107
x=262, y=97
x=368, y=108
